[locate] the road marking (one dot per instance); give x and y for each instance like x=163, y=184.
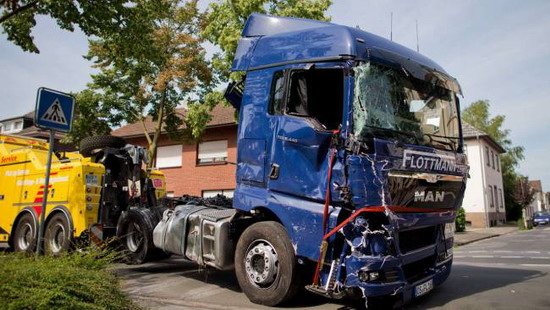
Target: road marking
x=535, y=252
x=480, y=251
x=536, y=265
x=512, y=257
x=541, y=257
x=482, y=256
x=503, y=251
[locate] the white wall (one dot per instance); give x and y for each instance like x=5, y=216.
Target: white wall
x=474, y=197
x=477, y=197
x=537, y=202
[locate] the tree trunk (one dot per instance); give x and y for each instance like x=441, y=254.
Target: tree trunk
x=158, y=128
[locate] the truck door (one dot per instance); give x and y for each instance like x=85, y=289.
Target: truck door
x=308, y=106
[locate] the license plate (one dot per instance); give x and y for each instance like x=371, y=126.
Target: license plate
x=91, y=179
x=423, y=288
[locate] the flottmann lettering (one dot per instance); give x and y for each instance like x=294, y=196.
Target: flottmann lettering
x=429, y=161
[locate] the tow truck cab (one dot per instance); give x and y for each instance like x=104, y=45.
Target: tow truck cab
x=353, y=143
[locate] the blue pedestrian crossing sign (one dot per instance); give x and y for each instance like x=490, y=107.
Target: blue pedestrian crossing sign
x=54, y=110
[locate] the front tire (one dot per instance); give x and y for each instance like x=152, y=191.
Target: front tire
x=57, y=237
x=25, y=235
x=265, y=264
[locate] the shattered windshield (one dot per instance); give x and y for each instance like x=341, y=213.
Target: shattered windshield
x=389, y=104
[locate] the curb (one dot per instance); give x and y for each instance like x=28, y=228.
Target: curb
x=457, y=244
x=475, y=240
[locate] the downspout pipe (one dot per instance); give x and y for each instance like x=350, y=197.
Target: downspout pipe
x=485, y=206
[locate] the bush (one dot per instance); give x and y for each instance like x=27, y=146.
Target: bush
x=460, y=222
x=77, y=280
x=521, y=224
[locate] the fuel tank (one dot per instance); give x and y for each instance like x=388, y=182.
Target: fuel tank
x=198, y=233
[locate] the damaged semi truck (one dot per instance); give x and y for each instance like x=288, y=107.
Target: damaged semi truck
x=350, y=168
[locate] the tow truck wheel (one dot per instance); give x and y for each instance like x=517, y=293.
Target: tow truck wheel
x=135, y=235
x=90, y=145
x=57, y=237
x=24, y=239
x=265, y=264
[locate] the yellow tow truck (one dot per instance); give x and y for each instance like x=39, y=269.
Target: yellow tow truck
x=100, y=193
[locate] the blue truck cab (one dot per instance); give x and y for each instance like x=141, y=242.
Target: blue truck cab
x=350, y=169
x=353, y=144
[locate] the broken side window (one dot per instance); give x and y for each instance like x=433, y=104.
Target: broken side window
x=277, y=93
x=318, y=94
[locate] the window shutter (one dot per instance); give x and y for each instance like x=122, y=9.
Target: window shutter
x=169, y=156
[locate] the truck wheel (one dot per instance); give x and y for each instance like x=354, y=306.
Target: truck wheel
x=24, y=239
x=265, y=264
x=57, y=237
x=90, y=145
x=136, y=237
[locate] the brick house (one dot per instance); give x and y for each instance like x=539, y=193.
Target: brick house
x=484, y=196
x=205, y=168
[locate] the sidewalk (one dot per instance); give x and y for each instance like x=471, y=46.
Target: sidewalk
x=476, y=234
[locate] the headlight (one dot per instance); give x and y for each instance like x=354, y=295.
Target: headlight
x=449, y=230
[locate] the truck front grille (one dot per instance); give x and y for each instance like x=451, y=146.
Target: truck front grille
x=419, y=269
x=414, y=239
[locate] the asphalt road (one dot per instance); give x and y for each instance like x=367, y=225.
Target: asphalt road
x=506, y=272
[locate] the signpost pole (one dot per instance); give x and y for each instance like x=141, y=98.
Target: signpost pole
x=45, y=195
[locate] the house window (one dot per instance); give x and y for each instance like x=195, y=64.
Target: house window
x=7, y=127
x=491, y=196
x=501, y=197
x=493, y=159
x=18, y=125
x=169, y=156
x=498, y=163
x=487, y=156
x=212, y=152
x=212, y=193
x=495, y=196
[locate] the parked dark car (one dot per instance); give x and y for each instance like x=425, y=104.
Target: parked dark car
x=541, y=218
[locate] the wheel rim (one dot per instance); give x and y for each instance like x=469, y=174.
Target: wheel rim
x=135, y=237
x=25, y=238
x=261, y=263
x=57, y=238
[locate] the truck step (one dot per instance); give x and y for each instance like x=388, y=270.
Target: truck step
x=319, y=290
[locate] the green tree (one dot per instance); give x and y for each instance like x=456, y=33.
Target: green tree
x=94, y=18
x=477, y=115
x=90, y=119
x=222, y=27
x=152, y=68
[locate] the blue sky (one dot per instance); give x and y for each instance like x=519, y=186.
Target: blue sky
x=498, y=50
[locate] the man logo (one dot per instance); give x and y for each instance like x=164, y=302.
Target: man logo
x=429, y=196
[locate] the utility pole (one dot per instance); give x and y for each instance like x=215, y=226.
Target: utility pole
x=417, y=46
x=391, y=26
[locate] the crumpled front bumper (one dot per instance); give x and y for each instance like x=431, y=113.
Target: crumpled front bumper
x=398, y=285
